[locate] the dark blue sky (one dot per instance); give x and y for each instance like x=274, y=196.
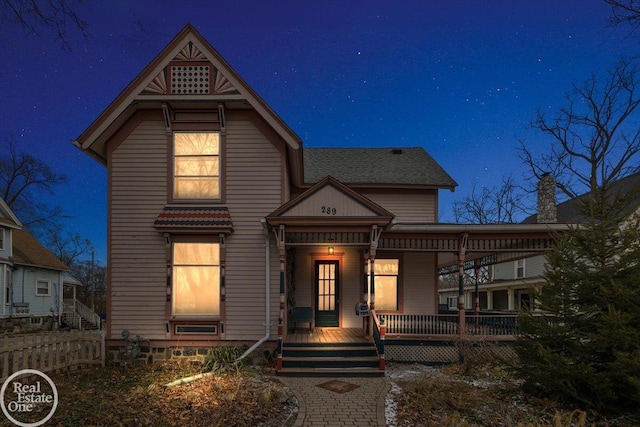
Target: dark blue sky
x=461, y=78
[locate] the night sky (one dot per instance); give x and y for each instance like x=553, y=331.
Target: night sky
x=462, y=79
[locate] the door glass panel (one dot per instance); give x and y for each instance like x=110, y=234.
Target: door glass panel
x=326, y=287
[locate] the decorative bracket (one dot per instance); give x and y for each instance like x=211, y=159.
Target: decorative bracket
x=222, y=118
x=280, y=239
x=166, y=112
x=373, y=243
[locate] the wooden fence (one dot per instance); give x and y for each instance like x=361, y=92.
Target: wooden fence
x=51, y=351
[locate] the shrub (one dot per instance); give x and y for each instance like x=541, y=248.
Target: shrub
x=222, y=359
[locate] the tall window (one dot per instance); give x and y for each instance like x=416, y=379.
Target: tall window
x=520, y=269
x=386, y=284
x=1, y=238
x=196, y=279
x=196, y=165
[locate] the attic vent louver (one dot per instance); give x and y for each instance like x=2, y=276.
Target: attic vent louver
x=396, y=151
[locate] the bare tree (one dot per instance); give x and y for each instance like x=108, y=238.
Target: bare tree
x=55, y=16
x=501, y=204
x=94, y=278
x=69, y=248
x=595, y=139
x=625, y=12
x=23, y=181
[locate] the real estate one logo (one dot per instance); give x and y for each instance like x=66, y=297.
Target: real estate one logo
x=28, y=398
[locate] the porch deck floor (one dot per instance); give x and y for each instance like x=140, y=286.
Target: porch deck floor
x=327, y=335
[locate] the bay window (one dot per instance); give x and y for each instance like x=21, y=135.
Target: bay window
x=196, y=279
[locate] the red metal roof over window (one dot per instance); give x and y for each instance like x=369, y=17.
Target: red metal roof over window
x=215, y=219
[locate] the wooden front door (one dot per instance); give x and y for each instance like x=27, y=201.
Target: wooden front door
x=327, y=295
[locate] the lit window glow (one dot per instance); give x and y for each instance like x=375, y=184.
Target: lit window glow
x=196, y=169
x=386, y=284
x=196, y=279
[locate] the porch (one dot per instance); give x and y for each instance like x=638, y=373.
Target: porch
x=327, y=336
x=430, y=339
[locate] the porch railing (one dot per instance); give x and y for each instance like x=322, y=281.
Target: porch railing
x=74, y=311
x=438, y=324
x=88, y=314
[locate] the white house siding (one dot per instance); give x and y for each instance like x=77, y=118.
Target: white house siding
x=24, y=290
x=351, y=273
x=533, y=267
x=419, y=283
x=253, y=190
x=138, y=184
x=407, y=207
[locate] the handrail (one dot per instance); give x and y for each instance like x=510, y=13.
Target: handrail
x=379, y=333
x=88, y=314
x=75, y=313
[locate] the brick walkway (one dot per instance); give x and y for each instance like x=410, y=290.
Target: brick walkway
x=347, y=405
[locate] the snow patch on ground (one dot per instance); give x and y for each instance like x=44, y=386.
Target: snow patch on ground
x=397, y=372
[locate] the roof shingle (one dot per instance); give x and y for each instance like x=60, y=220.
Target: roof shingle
x=28, y=251
x=393, y=166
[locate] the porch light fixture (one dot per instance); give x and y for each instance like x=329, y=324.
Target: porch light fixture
x=330, y=250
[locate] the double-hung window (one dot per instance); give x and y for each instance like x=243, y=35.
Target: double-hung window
x=196, y=165
x=196, y=279
x=386, y=284
x=520, y=270
x=43, y=288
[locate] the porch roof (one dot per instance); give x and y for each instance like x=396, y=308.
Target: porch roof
x=486, y=244
x=331, y=204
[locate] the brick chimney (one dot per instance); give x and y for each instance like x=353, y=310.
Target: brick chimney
x=547, y=209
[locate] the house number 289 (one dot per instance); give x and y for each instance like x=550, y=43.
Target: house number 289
x=328, y=210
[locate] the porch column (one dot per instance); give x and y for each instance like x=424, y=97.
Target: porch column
x=372, y=283
x=461, y=258
x=510, y=299
x=282, y=252
x=365, y=291
x=489, y=299
x=476, y=271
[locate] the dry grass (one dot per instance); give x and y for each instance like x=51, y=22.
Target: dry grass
x=451, y=396
x=456, y=396
x=116, y=396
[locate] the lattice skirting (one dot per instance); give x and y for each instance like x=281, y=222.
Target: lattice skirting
x=444, y=352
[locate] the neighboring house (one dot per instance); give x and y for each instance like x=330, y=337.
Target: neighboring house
x=510, y=285
x=31, y=278
x=220, y=225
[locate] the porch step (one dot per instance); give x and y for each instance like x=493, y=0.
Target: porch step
x=326, y=360
x=330, y=372
x=328, y=351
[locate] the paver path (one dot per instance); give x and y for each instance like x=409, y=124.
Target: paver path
x=348, y=405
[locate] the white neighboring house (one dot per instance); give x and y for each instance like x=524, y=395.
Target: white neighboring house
x=31, y=279
x=509, y=285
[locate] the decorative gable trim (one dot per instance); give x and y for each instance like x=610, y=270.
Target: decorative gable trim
x=330, y=202
x=7, y=217
x=156, y=84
